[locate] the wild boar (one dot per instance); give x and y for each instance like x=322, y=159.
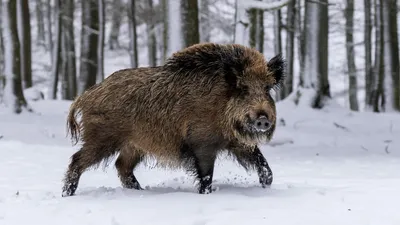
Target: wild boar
x=205, y=99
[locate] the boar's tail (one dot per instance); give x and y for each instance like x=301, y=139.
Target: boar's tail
x=73, y=127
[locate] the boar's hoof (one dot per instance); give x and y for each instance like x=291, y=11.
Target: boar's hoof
x=266, y=179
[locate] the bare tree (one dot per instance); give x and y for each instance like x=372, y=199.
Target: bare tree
x=40, y=23
x=315, y=70
x=56, y=50
x=89, y=45
x=351, y=65
x=100, y=47
x=151, y=37
x=13, y=94
x=190, y=22
x=277, y=32
x=377, y=97
x=133, y=34
x=164, y=4
x=68, y=50
x=205, y=21
x=242, y=23
x=2, y=77
x=290, y=36
x=391, y=55
x=256, y=17
x=368, y=50
x=49, y=27
x=117, y=13
x=25, y=42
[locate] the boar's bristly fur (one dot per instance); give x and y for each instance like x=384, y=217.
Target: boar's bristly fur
x=205, y=99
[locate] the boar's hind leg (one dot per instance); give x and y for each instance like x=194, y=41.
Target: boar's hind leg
x=125, y=164
x=251, y=157
x=202, y=164
x=86, y=157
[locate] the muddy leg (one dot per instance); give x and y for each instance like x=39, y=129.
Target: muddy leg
x=125, y=164
x=252, y=158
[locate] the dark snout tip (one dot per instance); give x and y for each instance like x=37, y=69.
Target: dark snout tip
x=262, y=123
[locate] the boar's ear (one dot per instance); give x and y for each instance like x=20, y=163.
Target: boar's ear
x=276, y=67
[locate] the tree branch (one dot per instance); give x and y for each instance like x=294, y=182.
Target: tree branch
x=248, y=4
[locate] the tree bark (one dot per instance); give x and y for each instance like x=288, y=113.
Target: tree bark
x=13, y=93
x=391, y=55
x=165, y=29
x=256, y=39
x=49, y=30
x=25, y=42
x=151, y=37
x=56, y=51
x=89, y=44
x=351, y=65
x=69, y=55
x=315, y=69
x=301, y=41
x=377, y=98
x=100, y=47
x=287, y=88
x=190, y=22
x=40, y=23
x=117, y=12
x=205, y=21
x=368, y=50
x=133, y=35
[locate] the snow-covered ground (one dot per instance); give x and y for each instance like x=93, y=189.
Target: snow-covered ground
x=330, y=167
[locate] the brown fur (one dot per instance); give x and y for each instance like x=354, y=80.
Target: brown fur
x=182, y=113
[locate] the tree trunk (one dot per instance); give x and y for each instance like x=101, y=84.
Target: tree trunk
x=151, y=37
x=190, y=22
x=351, y=65
x=69, y=57
x=13, y=95
x=315, y=70
x=49, y=31
x=165, y=29
x=175, y=29
x=89, y=45
x=301, y=40
x=368, y=50
x=290, y=36
x=100, y=47
x=256, y=39
x=2, y=77
x=377, y=97
x=277, y=32
x=57, y=50
x=133, y=35
x=117, y=12
x=391, y=55
x=25, y=42
x=40, y=23
x=205, y=24
x=63, y=74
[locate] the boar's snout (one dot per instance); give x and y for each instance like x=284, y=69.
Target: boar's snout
x=262, y=123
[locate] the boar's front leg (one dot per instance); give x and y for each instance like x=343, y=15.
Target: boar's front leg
x=201, y=162
x=250, y=157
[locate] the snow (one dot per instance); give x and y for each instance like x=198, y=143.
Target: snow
x=330, y=167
